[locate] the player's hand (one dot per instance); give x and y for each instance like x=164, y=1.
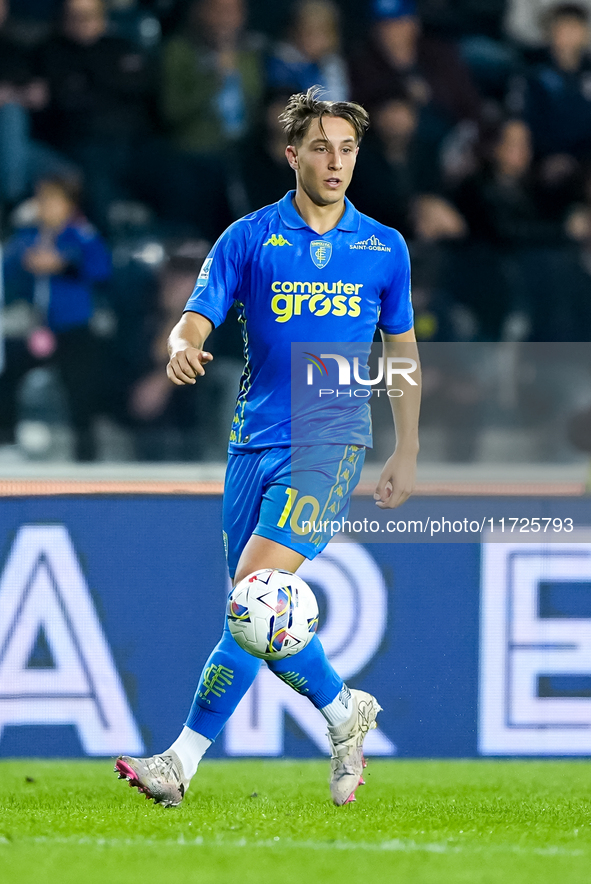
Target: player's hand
x=397, y=480
x=186, y=365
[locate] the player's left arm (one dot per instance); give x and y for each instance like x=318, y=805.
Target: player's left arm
x=397, y=479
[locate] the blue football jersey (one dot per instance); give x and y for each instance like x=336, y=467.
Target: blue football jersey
x=290, y=284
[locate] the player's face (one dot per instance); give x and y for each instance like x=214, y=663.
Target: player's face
x=324, y=161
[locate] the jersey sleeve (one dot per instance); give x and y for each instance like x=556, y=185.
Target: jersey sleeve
x=396, y=314
x=220, y=276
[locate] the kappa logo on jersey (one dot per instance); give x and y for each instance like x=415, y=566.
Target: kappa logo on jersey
x=372, y=244
x=320, y=252
x=277, y=241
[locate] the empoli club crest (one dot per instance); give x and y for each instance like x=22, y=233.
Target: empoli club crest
x=320, y=252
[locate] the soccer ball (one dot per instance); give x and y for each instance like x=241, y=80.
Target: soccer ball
x=272, y=614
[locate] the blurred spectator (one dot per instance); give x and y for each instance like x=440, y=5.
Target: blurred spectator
x=212, y=83
x=211, y=78
x=311, y=54
x=578, y=222
x=509, y=202
x=163, y=423
x=461, y=18
x=525, y=19
x=557, y=95
x=394, y=166
x=172, y=423
x=265, y=173
x=516, y=263
x=100, y=88
x=477, y=26
x=22, y=159
x=436, y=219
x=53, y=266
x=397, y=181
x=270, y=18
x=398, y=59
x=578, y=230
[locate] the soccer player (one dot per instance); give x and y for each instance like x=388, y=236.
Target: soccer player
x=308, y=268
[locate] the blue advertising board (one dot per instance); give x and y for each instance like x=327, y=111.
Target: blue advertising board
x=109, y=607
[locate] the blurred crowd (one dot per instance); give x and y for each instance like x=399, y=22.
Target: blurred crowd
x=132, y=132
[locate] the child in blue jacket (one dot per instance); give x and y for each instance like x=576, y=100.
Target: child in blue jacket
x=53, y=265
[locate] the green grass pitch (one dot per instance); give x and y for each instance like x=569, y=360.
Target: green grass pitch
x=249, y=822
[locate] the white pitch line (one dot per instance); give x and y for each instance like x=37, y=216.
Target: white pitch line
x=395, y=845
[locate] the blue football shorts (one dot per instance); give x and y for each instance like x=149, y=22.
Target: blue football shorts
x=289, y=495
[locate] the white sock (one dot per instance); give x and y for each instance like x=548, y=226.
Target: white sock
x=190, y=748
x=340, y=710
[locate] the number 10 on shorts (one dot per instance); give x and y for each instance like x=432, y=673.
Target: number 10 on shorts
x=296, y=509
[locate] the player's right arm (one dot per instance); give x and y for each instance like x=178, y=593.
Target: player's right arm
x=185, y=348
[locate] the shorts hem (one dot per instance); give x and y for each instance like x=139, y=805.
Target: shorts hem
x=309, y=550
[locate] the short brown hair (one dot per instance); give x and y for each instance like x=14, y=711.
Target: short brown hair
x=566, y=10
x=69, y=185
x=303, y=107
